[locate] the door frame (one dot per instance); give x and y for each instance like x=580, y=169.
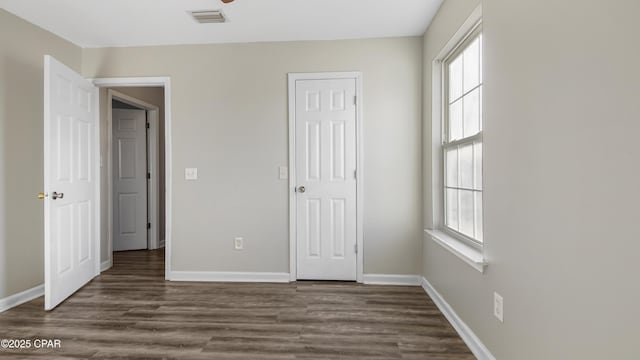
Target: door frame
x=164, y=82
x=293, y=206
x=153, y=212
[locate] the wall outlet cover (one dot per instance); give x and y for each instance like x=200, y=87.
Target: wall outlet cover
x=191, y=174
x=238, y=243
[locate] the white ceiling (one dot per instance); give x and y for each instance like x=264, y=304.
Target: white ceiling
x=103, y=23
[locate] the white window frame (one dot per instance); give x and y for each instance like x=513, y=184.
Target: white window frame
x=469, y=140
x=467, y=249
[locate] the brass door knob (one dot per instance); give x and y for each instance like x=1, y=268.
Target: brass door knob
x=41, y=196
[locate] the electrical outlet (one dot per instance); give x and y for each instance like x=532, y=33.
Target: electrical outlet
x=498, y=304
x=191, y=174
x=238, y=243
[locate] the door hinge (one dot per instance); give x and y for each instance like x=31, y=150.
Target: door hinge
x=355, y=174
x=148, y=126
x=355, y=100
x=355, y=248
x=148, y=175
x=148, y=225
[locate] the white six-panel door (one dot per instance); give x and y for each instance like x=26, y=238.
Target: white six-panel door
x=325, y=153
x=129, y=179
x=71, y=182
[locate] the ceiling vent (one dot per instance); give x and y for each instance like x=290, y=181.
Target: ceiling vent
x=208, y=16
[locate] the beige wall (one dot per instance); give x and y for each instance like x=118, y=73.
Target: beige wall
x=561, y=123
x=229, y=106
x=22, y=47
x=561, y=107
x=150, y=95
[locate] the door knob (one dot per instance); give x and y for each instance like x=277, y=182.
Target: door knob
x=301, y=189
x=56, y=195
x=41, y=196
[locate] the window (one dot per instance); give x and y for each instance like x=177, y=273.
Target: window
x=457, y=145
x=462, y=140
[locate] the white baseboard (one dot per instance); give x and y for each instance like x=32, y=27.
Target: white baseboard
x=106, y=265
x=224, y=276
x=384, y=279
x=468, y=336
x=21, y=297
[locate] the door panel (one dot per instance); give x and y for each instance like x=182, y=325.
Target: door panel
x=326, y=164
x=129, y=179
x=312, y=225
x=337, y=151
x=84, y=231
x=338, y=227
x=71, y=171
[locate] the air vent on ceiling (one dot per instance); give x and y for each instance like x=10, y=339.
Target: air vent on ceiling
x=208, y=16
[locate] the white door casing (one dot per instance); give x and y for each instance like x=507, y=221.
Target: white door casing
x=164, y=82
x=129, y=179
x=325, y=166
x=71, y=182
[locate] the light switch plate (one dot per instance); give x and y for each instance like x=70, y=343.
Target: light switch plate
x=283, y=172
x=191, y=174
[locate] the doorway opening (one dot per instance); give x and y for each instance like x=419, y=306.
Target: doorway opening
x=135, y=179
x=78, y=209
x=164, y=139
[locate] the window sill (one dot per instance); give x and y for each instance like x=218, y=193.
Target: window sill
x=465, y=252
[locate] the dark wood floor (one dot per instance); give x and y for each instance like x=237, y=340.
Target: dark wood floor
x=131, y=312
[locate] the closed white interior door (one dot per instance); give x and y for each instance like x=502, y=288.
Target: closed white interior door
x=325, y=114
x=71, y=178
x=129, y=179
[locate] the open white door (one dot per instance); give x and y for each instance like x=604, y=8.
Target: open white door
x=129, y=179
x=71, y=182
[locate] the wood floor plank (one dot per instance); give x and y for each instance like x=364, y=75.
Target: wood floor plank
x=131, y=312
